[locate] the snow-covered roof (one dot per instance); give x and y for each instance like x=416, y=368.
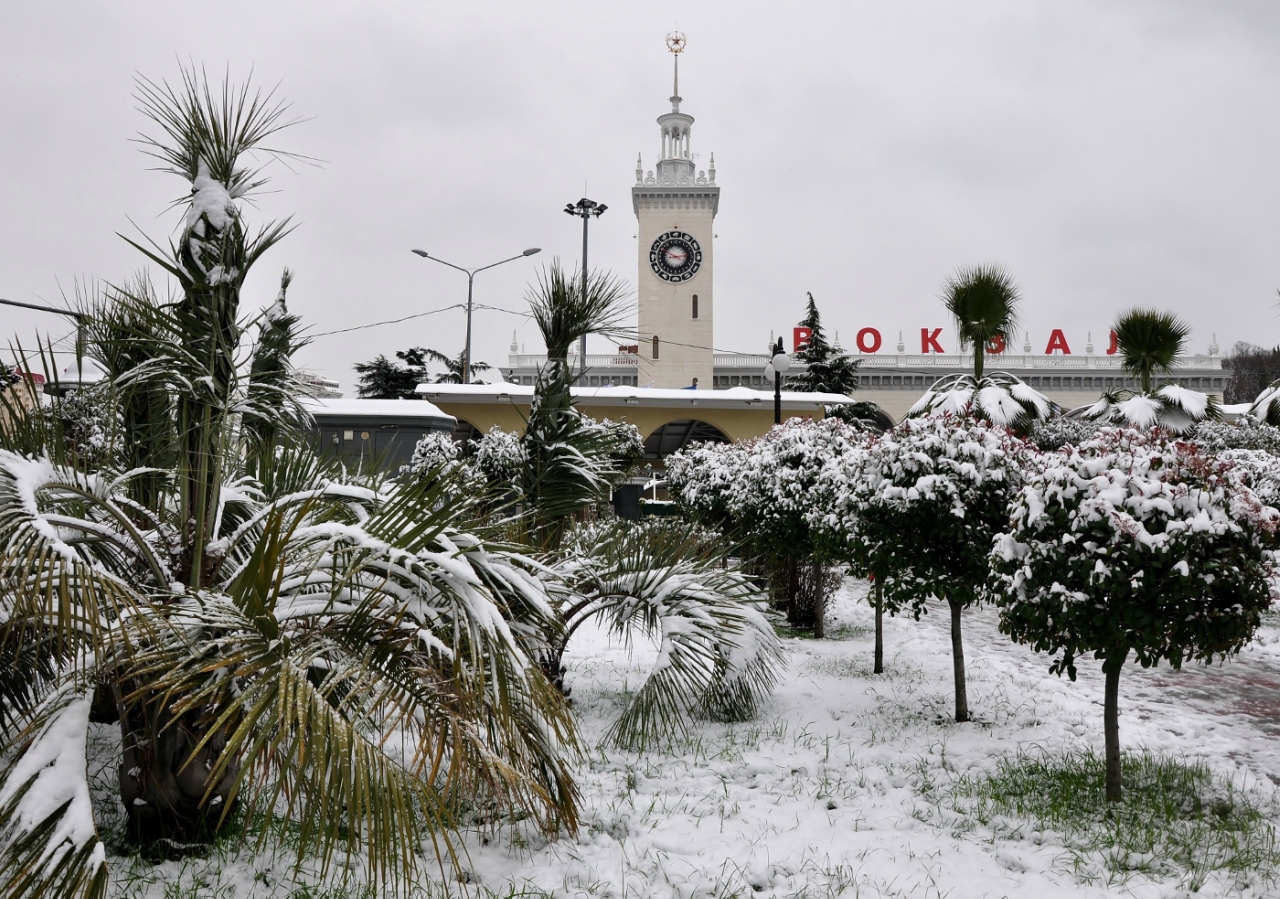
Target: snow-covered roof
x=402, y=409
x=734, y=397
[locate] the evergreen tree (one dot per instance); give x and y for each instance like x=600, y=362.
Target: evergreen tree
x=383, y=379
x=827, y=369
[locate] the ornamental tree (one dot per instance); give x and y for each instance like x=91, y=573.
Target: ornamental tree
x=917, y=507
x=1134, y=543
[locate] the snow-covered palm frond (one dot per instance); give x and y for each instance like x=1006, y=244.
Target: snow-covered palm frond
x=1266, y=407
x=999, y=398
x=399, y=659
x=1173, y=408
x=717, y=655
x=48, y=839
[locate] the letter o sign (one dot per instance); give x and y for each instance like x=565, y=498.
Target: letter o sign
x=868, y=340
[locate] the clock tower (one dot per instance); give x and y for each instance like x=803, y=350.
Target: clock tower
x=675, y=208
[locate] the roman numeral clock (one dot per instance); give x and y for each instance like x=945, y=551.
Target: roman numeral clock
x=675, y=206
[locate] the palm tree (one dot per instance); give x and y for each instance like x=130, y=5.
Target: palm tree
x=984, y=302
x=721, y=655
x=355, y=658
x=453, y=366
x=1150, y=342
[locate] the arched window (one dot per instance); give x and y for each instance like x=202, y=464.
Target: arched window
x=695, y=305
x=655, y=346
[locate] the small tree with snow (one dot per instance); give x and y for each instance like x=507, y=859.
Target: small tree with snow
x=762, y=495
x=1133, y=543
x=919, y=507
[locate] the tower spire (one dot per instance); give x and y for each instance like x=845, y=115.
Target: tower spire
x=675, y=43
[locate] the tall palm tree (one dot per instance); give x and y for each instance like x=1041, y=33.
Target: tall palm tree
x=1150, y=342
x=984, y=302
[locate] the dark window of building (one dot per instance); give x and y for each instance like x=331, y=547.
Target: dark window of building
x=655, y=346
x=695, y=305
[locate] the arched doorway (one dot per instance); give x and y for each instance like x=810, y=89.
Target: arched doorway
x=464, y=432
x=676, y=435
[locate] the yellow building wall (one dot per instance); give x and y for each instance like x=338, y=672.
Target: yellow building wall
x=737, y=424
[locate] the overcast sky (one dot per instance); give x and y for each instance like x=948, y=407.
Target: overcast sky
x=1109, y=153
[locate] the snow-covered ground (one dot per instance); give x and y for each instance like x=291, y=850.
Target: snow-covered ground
x=841, y=787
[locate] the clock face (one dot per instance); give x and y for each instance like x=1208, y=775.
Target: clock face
x=675, y=256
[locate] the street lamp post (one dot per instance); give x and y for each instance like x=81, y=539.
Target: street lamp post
x=471, y=275
x=80, y=318
x=586, y=209
x=778, y=364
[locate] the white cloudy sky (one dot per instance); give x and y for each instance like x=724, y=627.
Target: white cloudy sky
x=1110, y=153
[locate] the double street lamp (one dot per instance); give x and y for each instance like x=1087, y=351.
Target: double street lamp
x=586, y=209
x=471, y=274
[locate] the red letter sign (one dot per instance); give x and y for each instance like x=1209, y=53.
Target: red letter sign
x=800, y=338
x=1057, y=341
x=1111, y=350
x=868, y=340
x=995, y=346
x=930, y=339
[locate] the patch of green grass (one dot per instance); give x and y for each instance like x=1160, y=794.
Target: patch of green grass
x=1177, y=817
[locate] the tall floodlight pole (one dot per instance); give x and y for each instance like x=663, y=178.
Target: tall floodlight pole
x=586, y=209
x=471, y=276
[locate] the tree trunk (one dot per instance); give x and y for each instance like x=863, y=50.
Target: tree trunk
x=819, y=601
x=162, y=785
x=957, y=661
x=879, y=666
x=1111, y=723
x=799, y=612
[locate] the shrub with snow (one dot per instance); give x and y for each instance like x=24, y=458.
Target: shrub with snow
x=1247, y=434
x=763, y=493
x=500, y=455
x=1058, y=432
x=1133, y=543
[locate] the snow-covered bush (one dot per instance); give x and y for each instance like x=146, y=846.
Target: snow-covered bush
x=500, y=455
x=703, y=479
x=88, y=419
x=1056, y=433
x=434, y=451
x=624, y=442
x=1214, y=437
x=919, y=507
x=1133, y=542
x=762, y=493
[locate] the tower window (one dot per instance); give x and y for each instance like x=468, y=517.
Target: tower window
x=655, y=346
x=695, y=305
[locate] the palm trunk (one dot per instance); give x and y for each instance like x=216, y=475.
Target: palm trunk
x=1111, y=723
x=957, y=661
x=819, y=602
x=879, y=659
x=163, y=784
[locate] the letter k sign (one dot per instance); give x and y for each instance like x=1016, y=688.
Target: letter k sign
x=929, y=340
